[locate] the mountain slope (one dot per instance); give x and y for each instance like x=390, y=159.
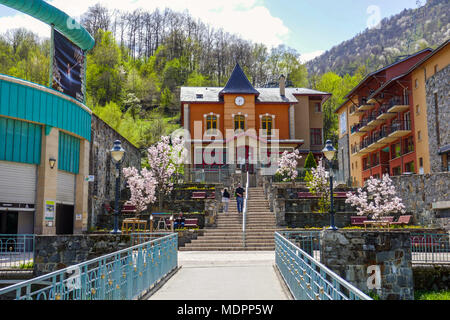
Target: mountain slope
x=404, y=33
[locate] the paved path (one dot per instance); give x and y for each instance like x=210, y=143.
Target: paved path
x=224, y=275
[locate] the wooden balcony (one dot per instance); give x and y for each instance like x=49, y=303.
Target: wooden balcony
x=400, y=129
x=366, y=107
x=398, y=108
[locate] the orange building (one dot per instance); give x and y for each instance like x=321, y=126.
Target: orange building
x=386, y=120
x=237, y=125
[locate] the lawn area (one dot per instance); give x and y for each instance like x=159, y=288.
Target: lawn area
x=432, y=295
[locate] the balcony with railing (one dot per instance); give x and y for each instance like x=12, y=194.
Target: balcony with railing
x=356, y=130
x=366, y=106
x=399, y=129
x=384, y=114
x=367, y=123
x=354, y=111
x=398, y=104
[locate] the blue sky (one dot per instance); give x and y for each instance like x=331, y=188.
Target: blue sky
x=320, y=25
x=309, y=26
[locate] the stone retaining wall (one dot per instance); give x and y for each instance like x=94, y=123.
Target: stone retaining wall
x=58, y=252
x=291, y=211
x=420, y=192
x=354, y=255
x=101, y=166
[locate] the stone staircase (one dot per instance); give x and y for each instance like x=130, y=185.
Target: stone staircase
x=227, y=236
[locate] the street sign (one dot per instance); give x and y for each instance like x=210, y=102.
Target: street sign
x=90, y=178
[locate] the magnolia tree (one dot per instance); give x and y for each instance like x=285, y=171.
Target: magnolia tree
x=318, y=183
x=142, y=187
x=165, y=159
x=287, y=165
x=377, y=199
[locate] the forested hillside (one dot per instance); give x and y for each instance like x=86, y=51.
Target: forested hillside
x=401, y=34
x=141, y=59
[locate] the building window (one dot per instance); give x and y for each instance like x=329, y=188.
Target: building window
x=409, y=167
x=396, y=150
x=408, y=145
x=417, y=109
x=211, y=124
x=267, y=125
x=239, y=122
x=436, y=69
x=317, y=107
x=419, y=135
x=366, y=164
x=407, y=119
x=421, y=165
x=396, y=171
x=416, y=83
x=316, y=137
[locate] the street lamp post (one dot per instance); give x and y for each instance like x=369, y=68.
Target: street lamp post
x=329, y=151
x=117, y=153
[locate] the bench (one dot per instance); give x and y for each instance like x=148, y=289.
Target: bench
x=340, y=194
x=302, y=195
x=358, y=220
x=403, y=220
x=128, y=208
x=191, y=223
x=198, y=195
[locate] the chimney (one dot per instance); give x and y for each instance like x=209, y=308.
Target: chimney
x=282, y=85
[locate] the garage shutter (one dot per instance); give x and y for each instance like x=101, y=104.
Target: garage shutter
x=66, y=188
x=17, y=182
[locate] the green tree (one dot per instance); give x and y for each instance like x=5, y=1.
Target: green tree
x=310, y=161
x=105, y=73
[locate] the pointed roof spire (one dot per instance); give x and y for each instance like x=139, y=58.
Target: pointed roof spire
x=238, y=83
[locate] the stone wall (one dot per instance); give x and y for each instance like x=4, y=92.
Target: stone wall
x=293, y=212
x=438, y=120
x=58, y=252
x=353, y=254
x=431, y=278
x=420, y=192
x=179, y=200
x=102, y=167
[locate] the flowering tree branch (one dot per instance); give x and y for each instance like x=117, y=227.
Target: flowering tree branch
x=377, y=199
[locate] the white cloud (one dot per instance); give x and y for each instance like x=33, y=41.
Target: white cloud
x=248, y=18
x=305, y=57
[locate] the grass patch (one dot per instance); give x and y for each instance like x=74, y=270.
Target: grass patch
x=432, y=295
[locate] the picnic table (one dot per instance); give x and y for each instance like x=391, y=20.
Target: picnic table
x=161, y=219
x=377, y=224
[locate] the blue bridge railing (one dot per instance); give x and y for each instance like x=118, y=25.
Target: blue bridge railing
x=307, y=278
x=123, y=275
x=16, y=251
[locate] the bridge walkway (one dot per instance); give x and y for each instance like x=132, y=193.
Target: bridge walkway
x=224, y=275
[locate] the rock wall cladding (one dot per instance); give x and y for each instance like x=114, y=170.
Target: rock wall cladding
x=419, y=192
x=438, y=115
x=104, y=169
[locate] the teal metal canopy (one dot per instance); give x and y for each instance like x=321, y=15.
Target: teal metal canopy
x=47, y=13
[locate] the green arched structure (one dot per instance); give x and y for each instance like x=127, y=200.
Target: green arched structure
x=47, y=13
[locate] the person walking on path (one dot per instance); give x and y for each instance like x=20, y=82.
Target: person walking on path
x=225, y=200
x=239, y=193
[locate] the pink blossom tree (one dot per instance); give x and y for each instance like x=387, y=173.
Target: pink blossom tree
x=287, y=165
x=377, y=199
x=318, y=183
x=142, y=187
x=164, y=159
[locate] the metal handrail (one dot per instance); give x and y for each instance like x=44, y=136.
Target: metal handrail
x=308, y=279
x=123, y=275
x=244, y=213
